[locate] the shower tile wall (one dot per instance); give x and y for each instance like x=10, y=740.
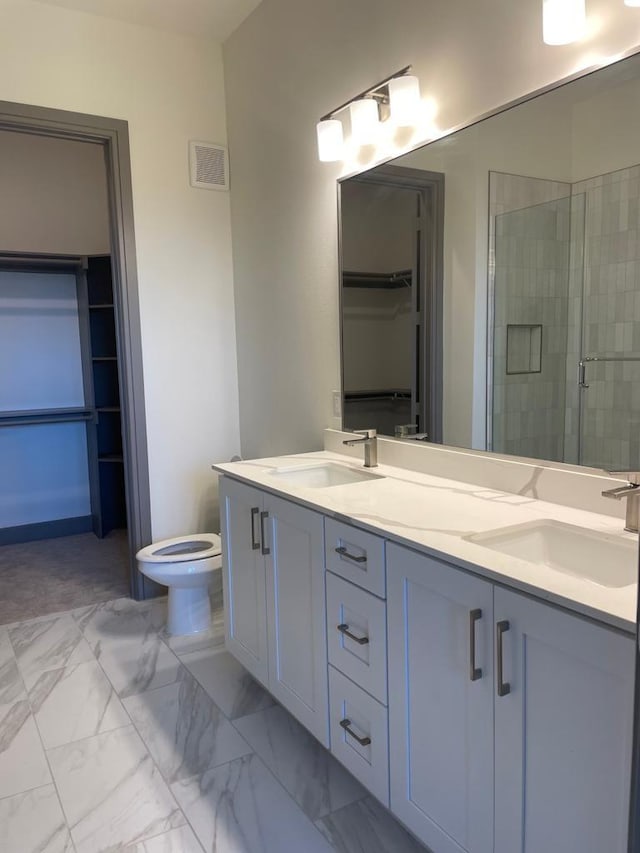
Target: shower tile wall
x=529, y=271
x=611, y=405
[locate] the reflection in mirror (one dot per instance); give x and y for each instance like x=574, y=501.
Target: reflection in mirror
x=539, y=283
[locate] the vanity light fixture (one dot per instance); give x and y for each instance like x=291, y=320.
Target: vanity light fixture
x=397, y=96
x=563, y=21
x=404, y=99
x=634, y=3
x=330, y=140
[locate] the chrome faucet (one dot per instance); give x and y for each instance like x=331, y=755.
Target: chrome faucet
x=369, y=440
x=632, y=493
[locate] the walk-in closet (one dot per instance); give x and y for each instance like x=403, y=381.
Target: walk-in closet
x=63, y=511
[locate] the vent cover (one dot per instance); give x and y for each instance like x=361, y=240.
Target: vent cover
x=209, y=165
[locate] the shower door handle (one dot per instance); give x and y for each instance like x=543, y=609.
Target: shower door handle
x=582, y=383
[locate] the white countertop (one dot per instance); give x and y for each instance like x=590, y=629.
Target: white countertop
x=433, y=515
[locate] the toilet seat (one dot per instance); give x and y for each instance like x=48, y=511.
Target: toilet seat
x=182, y=549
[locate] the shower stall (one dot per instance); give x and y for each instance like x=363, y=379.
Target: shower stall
x=564, y=319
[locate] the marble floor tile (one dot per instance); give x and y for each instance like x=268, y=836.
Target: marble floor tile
x=183, y=729
x=181, y=840
x=227, y=682
x=240, y=808
x=123, y=621
x=112, y=792
x=367, y=827
x=11, y=686
x=135, y=667
x=73, y=703
x=317, y=782
x=23, y=764
x=44, y=644
x=33, y=822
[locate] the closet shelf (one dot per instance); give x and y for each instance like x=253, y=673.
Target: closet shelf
x=104, y=358
x=111, y=457
x=378, y=280
x=46, y=416
x=107, y=408
x=383, y=394
x=101, y=305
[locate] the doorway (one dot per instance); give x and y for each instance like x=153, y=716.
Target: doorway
x=123, y=444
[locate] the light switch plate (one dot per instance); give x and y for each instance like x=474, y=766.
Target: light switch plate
x=337, y=404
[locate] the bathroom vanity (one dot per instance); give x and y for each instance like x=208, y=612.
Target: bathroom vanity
x=481, y=696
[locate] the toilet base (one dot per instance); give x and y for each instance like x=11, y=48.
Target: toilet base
x=189, y=610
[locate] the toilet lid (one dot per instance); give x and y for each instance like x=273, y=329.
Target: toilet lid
x=180, y=549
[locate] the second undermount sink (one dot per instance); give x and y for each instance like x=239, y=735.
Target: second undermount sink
x=597, y=557
x=323, y=475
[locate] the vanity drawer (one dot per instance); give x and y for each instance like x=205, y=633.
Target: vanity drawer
x=355, y=716
x=355, y=555
x=352, y=611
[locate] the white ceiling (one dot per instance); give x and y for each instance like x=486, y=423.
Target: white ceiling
x=213, y=18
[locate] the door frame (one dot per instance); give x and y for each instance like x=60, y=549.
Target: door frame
x=113, y=135
x=430, y=185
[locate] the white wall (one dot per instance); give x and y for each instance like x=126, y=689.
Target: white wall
x=53, y=196
x=286, y=65
x=170, y=89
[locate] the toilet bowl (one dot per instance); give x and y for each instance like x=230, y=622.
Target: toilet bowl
x=185, y=564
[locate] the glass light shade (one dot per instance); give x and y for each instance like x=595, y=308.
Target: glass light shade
x=330, y=140
x=563, y=21
x=365, y=121
x=632, y=2
x=404, y=99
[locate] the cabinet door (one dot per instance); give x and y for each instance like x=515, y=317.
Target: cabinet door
x=563, y=732
x=296, y=614
x=244, y=576
x=440, y=711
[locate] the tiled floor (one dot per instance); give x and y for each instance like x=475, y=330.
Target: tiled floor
x=115, y=737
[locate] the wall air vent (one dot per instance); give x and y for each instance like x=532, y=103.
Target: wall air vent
x=208, y=165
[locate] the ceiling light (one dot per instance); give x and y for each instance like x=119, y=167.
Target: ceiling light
x=330, y=140
x=563, y=21
x=632, y=2
x=404, y=99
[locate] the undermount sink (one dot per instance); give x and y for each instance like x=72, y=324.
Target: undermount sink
x=323, y=475
x=597, y=557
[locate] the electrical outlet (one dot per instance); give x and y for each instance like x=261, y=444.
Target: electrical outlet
x=337, y=404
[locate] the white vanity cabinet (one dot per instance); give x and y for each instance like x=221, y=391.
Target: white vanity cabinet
x=273, y=557
x=563, y=731
x=440, y=702
x=561, y=690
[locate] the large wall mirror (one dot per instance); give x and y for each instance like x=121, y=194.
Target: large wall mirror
x=491, y=281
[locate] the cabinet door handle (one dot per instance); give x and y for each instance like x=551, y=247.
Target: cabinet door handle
x=344, y=629
x=255, y=512
x=475, y=672
x=363, y=741
x=344, y=553
x=263, y=517
x=504, y=688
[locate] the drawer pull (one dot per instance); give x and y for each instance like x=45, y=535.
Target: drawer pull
x=344, y=629
x=344, y=553
x=504, y=688
x=363, y=741
x=255, y=512
x=475, y=672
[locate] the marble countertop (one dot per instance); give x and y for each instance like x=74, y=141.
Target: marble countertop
x=434, y=515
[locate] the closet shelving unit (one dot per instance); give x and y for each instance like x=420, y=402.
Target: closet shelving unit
x=101, y=412
x=107, y=482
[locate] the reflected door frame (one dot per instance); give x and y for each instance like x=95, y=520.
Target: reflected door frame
x=428, y=302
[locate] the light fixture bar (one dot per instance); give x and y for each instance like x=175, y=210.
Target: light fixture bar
x=372, y=92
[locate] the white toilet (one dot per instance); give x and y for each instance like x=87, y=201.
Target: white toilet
x=186, y=565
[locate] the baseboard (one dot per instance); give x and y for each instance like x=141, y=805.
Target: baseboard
x=45, y=530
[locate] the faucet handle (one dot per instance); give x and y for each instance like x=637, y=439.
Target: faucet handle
x=632, y=477
x=367, y=433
